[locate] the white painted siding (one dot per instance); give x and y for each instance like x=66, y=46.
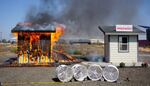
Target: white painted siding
x=117, y=57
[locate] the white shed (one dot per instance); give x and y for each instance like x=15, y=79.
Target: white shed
x=121, y=43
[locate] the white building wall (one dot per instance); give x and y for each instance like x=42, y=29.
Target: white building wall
x=129, y=57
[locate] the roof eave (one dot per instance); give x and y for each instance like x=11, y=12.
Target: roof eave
x=121, y=33
x=13, y=31
x=101, y=30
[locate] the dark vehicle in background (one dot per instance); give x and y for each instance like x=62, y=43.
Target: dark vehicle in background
x=80, y=41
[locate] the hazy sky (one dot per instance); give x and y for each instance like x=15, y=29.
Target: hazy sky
x=14, y=11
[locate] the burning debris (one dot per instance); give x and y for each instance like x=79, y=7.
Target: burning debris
x=36, y=43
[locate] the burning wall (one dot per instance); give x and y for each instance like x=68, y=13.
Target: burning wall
x=36, y=45
x=32, y=46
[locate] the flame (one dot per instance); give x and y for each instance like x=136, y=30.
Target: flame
x=15, y=34
x=55, y=37
x=36, y=53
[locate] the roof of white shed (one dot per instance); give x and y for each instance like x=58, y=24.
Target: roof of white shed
x=111, y=30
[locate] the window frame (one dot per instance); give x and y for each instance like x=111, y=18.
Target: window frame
x=120, y=44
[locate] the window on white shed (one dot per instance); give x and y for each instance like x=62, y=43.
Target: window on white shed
x=123, y=43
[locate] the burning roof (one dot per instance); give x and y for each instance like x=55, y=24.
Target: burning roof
x=28, y=27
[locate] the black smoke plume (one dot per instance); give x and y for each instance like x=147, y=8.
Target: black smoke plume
x=82, y=17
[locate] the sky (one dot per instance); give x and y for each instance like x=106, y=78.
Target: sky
x=14, y=11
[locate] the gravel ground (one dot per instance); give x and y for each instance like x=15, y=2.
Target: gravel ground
x=144, y=57
x=45, y=76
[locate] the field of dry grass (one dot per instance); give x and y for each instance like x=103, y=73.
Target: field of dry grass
x=144, y=49
x=85, y=49
x=7, y=51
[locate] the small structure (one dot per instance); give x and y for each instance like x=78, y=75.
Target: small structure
x=33, y=43
x=121, y=43
x=36, y=44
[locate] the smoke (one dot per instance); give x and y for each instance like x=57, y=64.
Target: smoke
x=82, y=17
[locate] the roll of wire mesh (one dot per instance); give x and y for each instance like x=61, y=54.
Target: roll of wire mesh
x=79, y=72
x=110, y=73
x=64, y=73
x=94, y=72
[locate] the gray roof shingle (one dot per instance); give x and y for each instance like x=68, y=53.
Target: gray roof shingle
x=35, y=28
x=111, y=30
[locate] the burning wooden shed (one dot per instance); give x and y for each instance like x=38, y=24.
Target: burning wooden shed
x=35, y=42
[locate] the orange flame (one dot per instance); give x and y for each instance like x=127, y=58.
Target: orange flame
x=55, y=37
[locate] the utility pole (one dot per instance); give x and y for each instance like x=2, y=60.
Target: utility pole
x=0, y=36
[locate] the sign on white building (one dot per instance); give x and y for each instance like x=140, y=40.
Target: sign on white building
x=124, y=28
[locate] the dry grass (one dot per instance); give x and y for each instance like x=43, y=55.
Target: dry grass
x=144, y=49
x=84, y=49
x=7, y=51
x=6, y=47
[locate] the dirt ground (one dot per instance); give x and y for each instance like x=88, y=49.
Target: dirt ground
x=45, y=76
